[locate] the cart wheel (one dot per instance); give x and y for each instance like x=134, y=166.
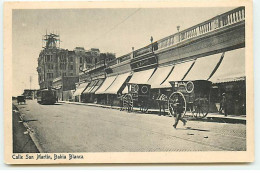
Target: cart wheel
x=128, y=103
x=144, y=107
x=177, y=101
x=201, y=108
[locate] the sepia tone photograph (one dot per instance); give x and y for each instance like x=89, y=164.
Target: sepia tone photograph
x=143, y=83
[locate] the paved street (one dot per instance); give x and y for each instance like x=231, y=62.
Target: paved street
x=77, y=128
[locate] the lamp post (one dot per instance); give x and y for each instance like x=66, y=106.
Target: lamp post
x=178, y=29
x=133, y=49
x=151, y=42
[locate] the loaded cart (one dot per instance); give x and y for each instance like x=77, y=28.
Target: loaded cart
x=193, y=96
x=138, y=95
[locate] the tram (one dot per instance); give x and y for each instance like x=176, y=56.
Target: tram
x=46, y=96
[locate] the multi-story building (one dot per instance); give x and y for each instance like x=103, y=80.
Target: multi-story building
x=54, y=62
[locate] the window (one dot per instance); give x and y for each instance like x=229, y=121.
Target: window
x=48, y=58
x=63, y=66
x=71, y=59
x=64, y=74
x=50, y=66
x=49, y=75
x=89, y=60
x=80, y=60
x=71, y=74
x=71, y=67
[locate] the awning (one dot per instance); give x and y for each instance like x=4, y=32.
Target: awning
x=232, y=67
x=159, y=76
x=125, y=91
x=117, y=84
x=96, y=86
x=80, y=89
x=203, y=67
x=177, y=73
x=108, y=81
x=90, y=86
x=141, y=77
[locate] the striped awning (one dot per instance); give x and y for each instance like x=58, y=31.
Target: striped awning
x=142, y=77
x=203, y=67
x=108, y=81
x=90, y=86
x=159, y=76
x=80, y=89
x=117, y=84
x=232, y=67
x=96, y=86
x=177, y=73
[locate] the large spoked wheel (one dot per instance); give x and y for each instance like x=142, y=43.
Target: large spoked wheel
x=128, y=102
x=200, y=108
x=177, y=103
x=144, y=106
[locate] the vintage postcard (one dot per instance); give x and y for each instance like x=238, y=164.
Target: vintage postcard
x=128, y=82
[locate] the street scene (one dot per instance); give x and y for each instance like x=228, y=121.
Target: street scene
x=113, y=80
x=64, y=127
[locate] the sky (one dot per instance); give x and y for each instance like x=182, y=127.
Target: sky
x=110, y=30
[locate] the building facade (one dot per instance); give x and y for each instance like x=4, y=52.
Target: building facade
x=54, y=62
x=213, y=50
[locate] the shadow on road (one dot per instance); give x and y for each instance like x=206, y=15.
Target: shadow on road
x=201, y=130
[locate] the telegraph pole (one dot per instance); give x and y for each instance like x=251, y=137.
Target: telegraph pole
x=30, y=82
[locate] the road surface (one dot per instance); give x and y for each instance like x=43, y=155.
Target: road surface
x=63, y=128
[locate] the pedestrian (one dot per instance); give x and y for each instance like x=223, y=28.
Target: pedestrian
x=178, y=110
x=121, y=97
x=223, y=104
x=161, y=99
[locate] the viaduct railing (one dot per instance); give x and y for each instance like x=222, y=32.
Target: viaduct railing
x=223, y=20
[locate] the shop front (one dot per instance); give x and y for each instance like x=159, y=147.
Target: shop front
x=85, y=94
x=113, y=92
x=100, y=93
x=91, y=97
x=80, y=89
x=230, y=79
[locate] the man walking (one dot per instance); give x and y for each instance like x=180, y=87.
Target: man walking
x=178, y=110
x=223, y=104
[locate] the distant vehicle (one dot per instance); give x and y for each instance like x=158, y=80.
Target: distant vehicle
x=46, y=96
x=21, y=99
x=29, y=97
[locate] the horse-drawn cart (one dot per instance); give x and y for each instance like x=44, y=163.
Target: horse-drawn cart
x=138, y=94
x=193, y=96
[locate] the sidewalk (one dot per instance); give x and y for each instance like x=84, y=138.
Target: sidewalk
x=210, y=117
x=22, y=141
